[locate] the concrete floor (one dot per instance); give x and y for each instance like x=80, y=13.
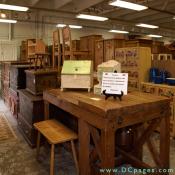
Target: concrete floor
x=17, y=158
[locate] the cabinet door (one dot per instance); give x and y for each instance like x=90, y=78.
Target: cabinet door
x=109, y=50
x=8, y=51
x=99, y=53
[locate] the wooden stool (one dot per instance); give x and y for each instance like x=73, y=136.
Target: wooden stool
x=55, y=133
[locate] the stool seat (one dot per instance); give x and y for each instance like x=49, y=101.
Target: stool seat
x=55, y=132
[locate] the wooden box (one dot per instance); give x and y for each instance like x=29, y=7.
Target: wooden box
x=18, y=76
x=31, y=111
x=163, y=90
x=77, y=74
x=136, y=61
x=40, y=80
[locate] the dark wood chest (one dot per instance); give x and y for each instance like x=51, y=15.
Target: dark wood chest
x=18, y=76
x=31, y=111
x=40, y=80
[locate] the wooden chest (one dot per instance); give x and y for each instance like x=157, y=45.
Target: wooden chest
x=77, y=74
x=31, y=111
x=18, y=76
x=40, y=80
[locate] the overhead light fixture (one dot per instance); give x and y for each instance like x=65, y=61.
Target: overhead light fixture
x=147, y=26
x=71, y=26
x=174, y=17
x=155, y=36
x=118, y=31
x=91, y=17
x=60, y=25
x=128, y=5
x=8, y=21
x=3, y=15
x=13, y=7
x=75, y=27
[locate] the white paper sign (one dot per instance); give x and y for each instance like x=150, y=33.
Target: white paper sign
x=114, y=83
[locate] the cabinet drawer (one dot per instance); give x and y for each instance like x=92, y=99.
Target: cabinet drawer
x=29, y=133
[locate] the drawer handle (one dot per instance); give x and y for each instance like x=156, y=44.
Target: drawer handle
x=120, y=120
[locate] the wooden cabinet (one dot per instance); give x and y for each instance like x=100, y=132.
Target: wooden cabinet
x=87, y=43
x=31, y=111
x=23, y=50
x=40, y=80
x=109, y=47
x=35, y=46
x=75, y=45
x=136, y=61
x=99, y=53
x=163, y=90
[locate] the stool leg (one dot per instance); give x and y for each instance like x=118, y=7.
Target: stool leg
x=52, y=159
x=38, y=145
x=75, y=156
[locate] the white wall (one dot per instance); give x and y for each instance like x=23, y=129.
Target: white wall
x=21, y=31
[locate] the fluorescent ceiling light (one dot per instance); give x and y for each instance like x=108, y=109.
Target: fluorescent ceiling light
x=3, y=15
x=60, y=25
x=8, y=21
x=154, y=36
x=174, y=17
x=147, y=26
x=13, y=7
x=75, y=27
x=91, y=17
x=128, y=5
x=118, y=31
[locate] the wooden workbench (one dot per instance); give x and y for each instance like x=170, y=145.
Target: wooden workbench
x=101, y=119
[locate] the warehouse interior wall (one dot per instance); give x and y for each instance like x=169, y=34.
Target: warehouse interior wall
x=21, y=31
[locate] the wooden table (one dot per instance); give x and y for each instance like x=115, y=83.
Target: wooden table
x=101, y=119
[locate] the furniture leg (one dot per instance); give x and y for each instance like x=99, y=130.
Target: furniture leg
x=165, y=141
x=38, y=145
x=84, y=141
x=46, y=110
x=108, y=148
x=52, y=159
x=74, y=156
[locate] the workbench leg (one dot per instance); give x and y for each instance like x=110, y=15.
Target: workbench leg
x=46, y=110
x=165, y=141
x=84, y=145
x=108, y=149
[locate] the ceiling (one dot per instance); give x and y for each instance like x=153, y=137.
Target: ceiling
x=160, y=12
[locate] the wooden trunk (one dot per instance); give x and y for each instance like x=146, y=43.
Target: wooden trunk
x=40, y=80
x=18, y=76
x=136, y=61
x=31, y=111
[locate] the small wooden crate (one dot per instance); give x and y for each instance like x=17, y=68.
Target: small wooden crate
x=77, y=75
x=39, y=80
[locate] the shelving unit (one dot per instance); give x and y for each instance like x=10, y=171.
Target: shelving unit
x=136, y=61
x=35, y=46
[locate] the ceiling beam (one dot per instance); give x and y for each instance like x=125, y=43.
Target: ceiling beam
x=33, y=2
x=80, y=5
x=60, y=3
